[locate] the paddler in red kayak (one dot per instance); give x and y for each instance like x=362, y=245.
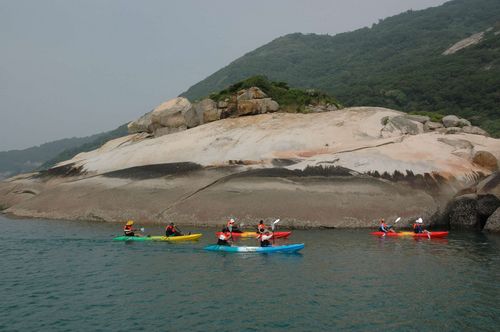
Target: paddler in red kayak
x=231, y=227
x=261, y=228
x=383, y=227
x=128, y=229
x=418, y=226
x=171, y=230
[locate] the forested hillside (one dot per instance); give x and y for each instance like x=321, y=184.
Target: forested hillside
x=397, y=63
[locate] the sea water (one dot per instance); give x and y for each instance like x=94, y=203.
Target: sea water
x=71, y=276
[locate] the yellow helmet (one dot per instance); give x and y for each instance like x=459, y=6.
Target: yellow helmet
x=130, y=223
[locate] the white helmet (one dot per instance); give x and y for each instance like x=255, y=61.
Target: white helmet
x=420, y=221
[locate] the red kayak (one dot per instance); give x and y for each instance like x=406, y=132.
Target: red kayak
x=430, y=234
x=276, y=235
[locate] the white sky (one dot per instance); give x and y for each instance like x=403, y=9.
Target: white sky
x=74, y=68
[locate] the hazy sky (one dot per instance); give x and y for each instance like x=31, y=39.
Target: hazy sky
x=75, y=68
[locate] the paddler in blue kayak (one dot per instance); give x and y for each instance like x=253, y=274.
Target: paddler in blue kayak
x=171, y=230
x=223, y=239
x=264, y=239
x=383, y=227
x=128, y=230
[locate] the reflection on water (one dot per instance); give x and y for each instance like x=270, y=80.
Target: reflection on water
x=60, y=275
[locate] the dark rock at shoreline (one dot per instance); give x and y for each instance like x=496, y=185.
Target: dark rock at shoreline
x=493, y=223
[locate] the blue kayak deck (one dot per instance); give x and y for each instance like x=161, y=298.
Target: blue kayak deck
x=283, y=249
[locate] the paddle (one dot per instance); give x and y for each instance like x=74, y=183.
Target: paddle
x=273, y=226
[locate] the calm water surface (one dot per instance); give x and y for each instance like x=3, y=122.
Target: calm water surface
x=58, y=276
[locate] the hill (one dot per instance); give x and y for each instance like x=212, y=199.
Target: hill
x=398, y=63
x=45, y=155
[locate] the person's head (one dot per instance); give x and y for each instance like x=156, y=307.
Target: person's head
x=382, y=220
x=261, y=222
x=171, y=224
x=130, y=223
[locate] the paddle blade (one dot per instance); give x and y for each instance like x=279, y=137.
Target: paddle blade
x=399, y=218
x=142, y=229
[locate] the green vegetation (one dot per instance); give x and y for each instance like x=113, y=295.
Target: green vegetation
x=397, y=63
x=43, y=156
x=291, y=100
x=435, y=117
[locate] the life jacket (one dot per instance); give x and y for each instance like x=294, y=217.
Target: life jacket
x=170, y=228
x=128, y=229
x=261, y=227
x=224, y=236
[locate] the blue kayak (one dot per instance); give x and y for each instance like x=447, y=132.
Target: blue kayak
x=261, y=250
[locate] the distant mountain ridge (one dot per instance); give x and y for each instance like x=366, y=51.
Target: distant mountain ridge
x=397, y=63
x=45, y=155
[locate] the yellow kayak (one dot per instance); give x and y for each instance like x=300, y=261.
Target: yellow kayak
x=190, y=237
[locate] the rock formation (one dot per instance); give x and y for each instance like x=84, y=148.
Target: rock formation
x=179, y=114
x=332, y=169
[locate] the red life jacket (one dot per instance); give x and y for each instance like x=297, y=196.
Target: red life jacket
x=127, y=229
x=170, y=228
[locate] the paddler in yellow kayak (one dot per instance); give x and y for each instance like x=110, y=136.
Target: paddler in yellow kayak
x=128, y=230
x=171, y=230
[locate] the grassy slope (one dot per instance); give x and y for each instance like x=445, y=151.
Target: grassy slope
x=397, y=63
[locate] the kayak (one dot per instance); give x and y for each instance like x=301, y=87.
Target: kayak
x=432, y=234
x=290, y=248
x=276, y=235
x=179, y=238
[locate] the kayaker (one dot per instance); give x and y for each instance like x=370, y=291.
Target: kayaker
x=261, y=228
x=171, y=230
x=264, y=239
x=128, y=229
x=231, y=227
x=418, y=226
x=383, y=227
x=224, y=239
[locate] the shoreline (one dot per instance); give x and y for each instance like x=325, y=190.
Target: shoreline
x=282, y=226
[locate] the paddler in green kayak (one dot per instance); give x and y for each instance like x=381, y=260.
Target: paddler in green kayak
x=128, y=230
x=171, y=230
